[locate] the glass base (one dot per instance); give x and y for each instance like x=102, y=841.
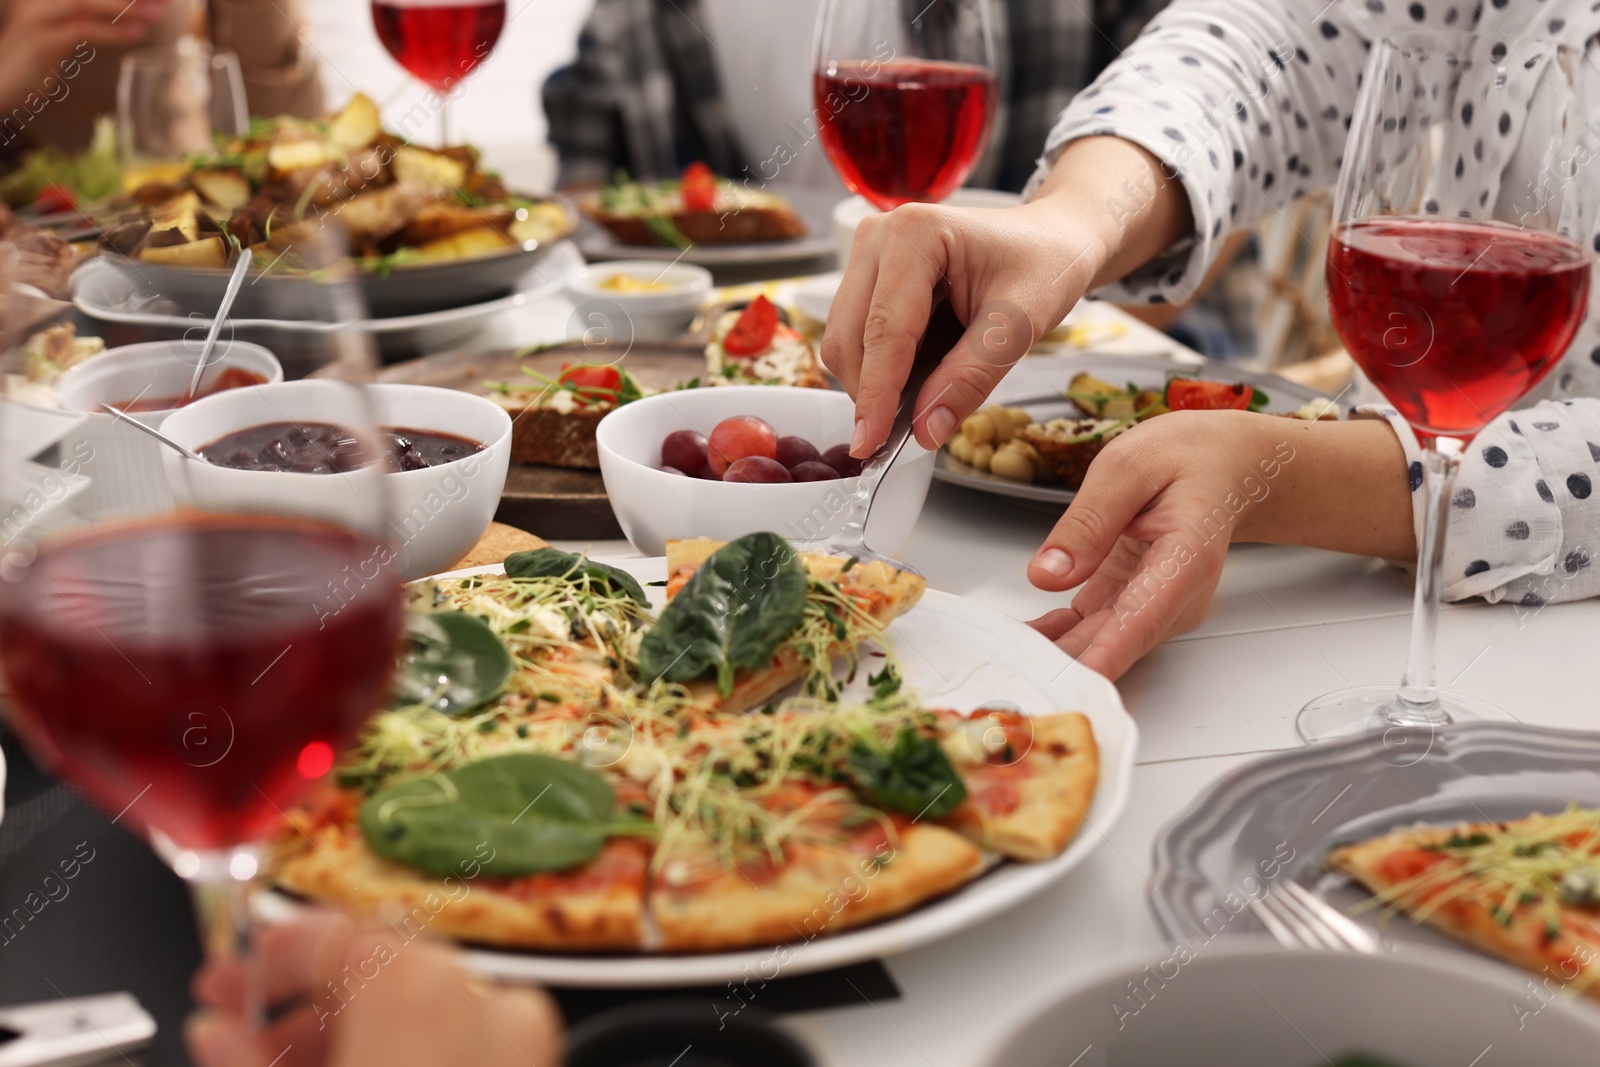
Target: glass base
x=1371, y=711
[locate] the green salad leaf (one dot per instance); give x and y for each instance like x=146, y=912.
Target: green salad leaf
x=451, y=662
x=1258, y=399
x=554, y=563
x=913, y=775
x=512, y=815
x=733, y=613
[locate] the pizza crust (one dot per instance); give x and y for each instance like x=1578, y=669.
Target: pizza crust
x=826, y=891
x=335, y=865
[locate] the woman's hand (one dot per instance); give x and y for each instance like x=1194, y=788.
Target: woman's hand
x=38, y=34
x=1010, y=274
x=1147, y=533
x=367, y=996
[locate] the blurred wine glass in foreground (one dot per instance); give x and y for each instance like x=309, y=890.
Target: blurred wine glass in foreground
x=192, y=650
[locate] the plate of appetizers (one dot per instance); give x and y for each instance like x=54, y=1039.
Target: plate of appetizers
x=864, y=767
x=705, y=219
x=1037, y=445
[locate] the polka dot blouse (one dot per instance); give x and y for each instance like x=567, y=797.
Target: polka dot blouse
x=1249, y=102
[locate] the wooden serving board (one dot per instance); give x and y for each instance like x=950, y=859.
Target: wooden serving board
x=558, y=503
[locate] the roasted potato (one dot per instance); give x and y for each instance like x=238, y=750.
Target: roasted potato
x=430, y=170
x=226, y=189
x=210, y=252
x=442, y=219
x=477, y=242
x=358, y=125
x=378, y=213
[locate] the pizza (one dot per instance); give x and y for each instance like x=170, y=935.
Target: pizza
x=717, y=831
x=845, y=604
x=1527, y=891
x=587, y=802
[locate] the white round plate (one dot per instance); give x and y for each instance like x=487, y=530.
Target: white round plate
x=1146, y=372
x=815, y=208
x=955, y=653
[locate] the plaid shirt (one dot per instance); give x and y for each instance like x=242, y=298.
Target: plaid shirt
x=643, y=93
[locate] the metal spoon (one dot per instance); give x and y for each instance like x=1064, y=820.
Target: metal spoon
x=240, y=269
x=942, y=335
x=153, y=432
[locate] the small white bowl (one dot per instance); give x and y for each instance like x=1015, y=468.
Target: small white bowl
x=624, y=317
x=654, y=507
x=1244, y=1001
x=432, y=516
x=122, y=464
x=848, y=213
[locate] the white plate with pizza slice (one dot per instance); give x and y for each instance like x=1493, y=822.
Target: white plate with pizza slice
x=953, y=653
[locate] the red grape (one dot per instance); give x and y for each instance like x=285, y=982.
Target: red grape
x=839, y=458
x=685, y=450
x=757, y=469
x=738, y=437
x=813, y=470
x=669, y=469
x=793, y=451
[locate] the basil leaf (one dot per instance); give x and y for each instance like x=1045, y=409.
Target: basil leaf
x=509, y=815
x=452, y=662
x=733, y=613
x=913, y=775
x=554, y=563
x=1258, y=399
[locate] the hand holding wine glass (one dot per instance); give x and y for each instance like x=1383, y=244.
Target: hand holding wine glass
x=1455, y=291
x=194, y=670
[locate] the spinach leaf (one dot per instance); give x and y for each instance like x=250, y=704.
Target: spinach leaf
x=733, y=613
x=554, y=563
x=510, y=815
x=452, y=662
x=913, y=775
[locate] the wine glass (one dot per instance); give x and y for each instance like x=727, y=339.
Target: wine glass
x=174, y=100
x=904, y=94
x=193, y=649
x=439, y=41
x=1457, y=277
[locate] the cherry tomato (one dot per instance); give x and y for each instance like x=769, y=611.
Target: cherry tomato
x=753, y=332
x=591, y=378
x=54, y=198
x=698, y=187
x=757, y=469
x=1187, y=394
x=737, y=437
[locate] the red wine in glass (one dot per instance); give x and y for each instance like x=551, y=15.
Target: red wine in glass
x=904, y=131
x=1454, y=321
x=200, y=672
x=438, y=41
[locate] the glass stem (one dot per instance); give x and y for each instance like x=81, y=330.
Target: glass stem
x=444, y=121
x=1417, y=703
x=227, y=927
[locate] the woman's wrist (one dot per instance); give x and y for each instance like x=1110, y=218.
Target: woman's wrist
x=1339, y=485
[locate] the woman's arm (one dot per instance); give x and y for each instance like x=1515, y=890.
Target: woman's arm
x=1221, y=112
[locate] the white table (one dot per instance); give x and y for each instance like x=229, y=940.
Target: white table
x=1287, y=624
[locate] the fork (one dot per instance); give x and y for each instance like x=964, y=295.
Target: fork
x=1298, y=918
x=942, y=335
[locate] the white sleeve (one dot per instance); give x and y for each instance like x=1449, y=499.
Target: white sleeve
x=1524, y=521
x=1246, y=101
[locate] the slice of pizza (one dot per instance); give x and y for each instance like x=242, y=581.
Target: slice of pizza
x=1527, y=891
x=598, y=905
x=838, y=865
x=804, y=611
x=1030, y=780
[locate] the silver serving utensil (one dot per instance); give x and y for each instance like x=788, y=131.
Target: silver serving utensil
x=943, y=334
x=153, y=432
x=235, y=280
